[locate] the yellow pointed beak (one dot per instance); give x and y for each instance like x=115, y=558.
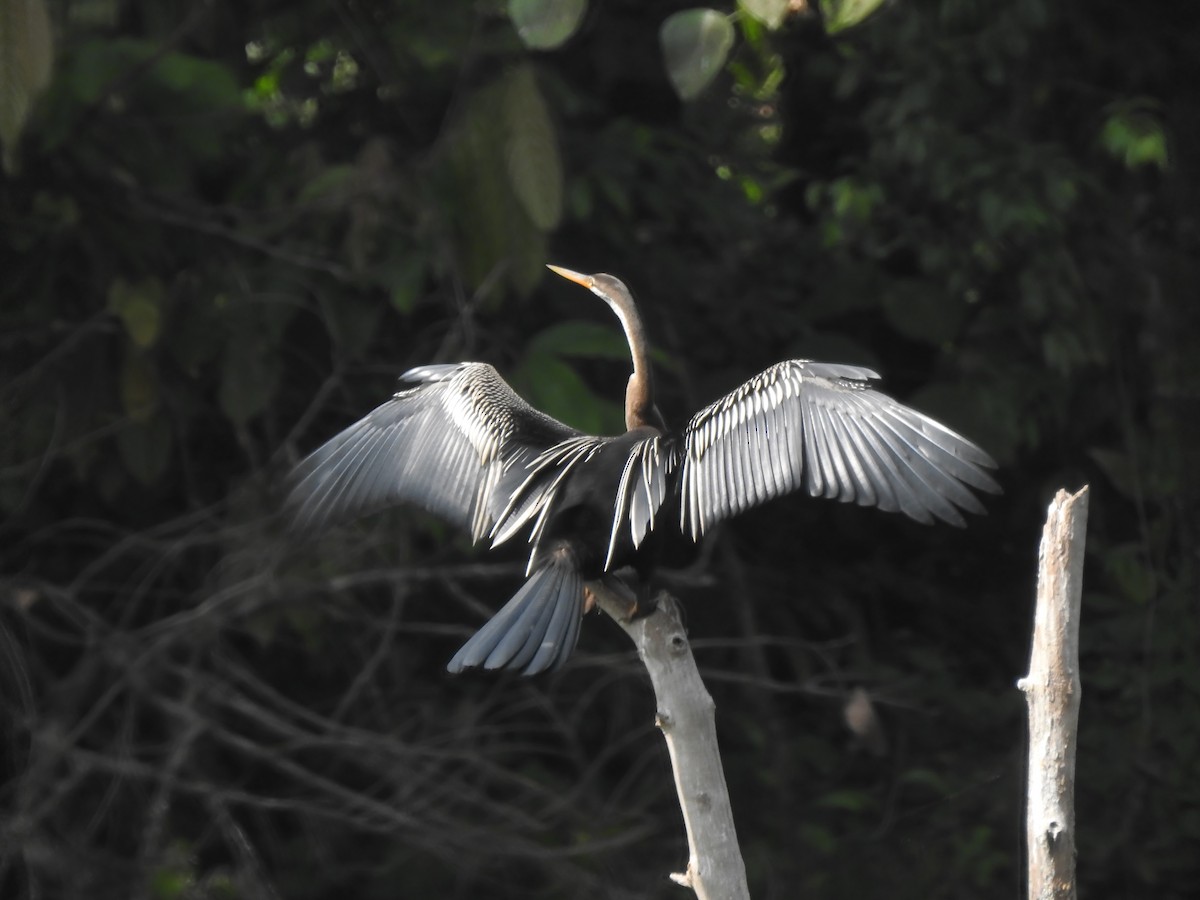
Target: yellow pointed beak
x=586, y=280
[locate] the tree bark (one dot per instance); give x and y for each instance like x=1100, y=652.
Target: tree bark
x=1052, y=692
x=686, y=716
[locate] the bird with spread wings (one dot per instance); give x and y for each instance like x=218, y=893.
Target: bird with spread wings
x=458, y=441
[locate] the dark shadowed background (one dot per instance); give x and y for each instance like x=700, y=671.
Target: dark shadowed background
x=227, y=226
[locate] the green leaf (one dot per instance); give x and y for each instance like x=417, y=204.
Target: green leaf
x=1134, y=135
x=855, y=199
x=26, y=60
x=139, y=307
x=695, y=43
x=770, y=12
x=206, y=84
x=531, y=150
x=841, y=14
x=546, y=24
x=581, y=339
x=552, y=386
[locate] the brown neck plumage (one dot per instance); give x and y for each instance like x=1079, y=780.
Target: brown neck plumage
x=640, y=410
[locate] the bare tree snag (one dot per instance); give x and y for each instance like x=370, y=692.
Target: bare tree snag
x=1052, y=692
x=686, y=717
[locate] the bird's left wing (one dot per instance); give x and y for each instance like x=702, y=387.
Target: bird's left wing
x=442, y=444
x=821, y=426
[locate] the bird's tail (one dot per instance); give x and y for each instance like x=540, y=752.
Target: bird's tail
x=538, y=628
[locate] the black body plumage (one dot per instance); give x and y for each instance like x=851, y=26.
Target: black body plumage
x=458, y=441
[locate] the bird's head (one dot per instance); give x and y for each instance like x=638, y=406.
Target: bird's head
x=639, y=394
x=609, y=289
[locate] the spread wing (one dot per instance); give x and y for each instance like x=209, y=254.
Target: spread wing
x=442, y=444
x=822, y=427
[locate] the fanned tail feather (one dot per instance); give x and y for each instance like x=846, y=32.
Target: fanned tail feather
x=537, y=629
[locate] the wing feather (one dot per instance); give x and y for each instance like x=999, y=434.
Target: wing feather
x=822, y=426
x=442, y=444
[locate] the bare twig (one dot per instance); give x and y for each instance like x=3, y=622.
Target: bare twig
x=685, y=715
x=1052, y=691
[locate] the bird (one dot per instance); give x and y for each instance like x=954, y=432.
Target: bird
x=459, y=442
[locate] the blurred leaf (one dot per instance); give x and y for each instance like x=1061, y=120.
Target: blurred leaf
x=168, y=884
x=935, y=781
x=183, y=101
x=139, y=386
x=206, y=84
x=695, y=43
x=95, y=64
x=841, y=14
x=404, y=277
x=1126, y=565
x=1064, y=350
x=582, y=339
x=848, y=799
x=555, y=388
x=145, y=448
x=854, y=199
x=139, y=307
x=531, y=150
x=496, y=234
x=1135, y=136
x=546, y=24
x=818, y=837
x=26, y=61
x=770, y=12
x=334, y=185
x=175, y=875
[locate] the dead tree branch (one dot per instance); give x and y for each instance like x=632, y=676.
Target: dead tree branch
x=1052, y=692
x=685, y=713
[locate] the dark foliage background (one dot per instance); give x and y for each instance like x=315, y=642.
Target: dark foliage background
x=229, y=226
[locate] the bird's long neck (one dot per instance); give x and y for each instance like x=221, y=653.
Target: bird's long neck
x=639, y=393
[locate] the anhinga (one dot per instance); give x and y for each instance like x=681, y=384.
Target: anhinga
x=460, y=443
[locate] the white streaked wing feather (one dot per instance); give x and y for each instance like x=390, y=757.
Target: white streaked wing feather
x=819, y=425
x=442, y=444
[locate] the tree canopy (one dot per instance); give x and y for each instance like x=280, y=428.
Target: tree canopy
x=227, y=228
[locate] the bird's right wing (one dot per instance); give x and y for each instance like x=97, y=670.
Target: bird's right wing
x=822, y=427
x=442, y=444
